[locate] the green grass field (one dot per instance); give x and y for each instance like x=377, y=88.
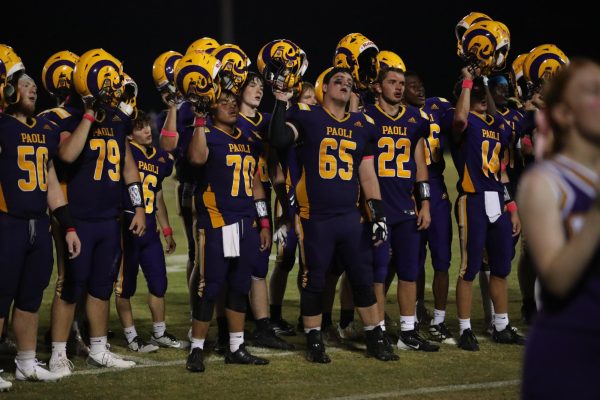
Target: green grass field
x=491, y=373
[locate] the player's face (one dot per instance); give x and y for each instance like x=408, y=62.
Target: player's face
x=28, y=95
x=227, y=110
x=582, y=97
x=478, y=100
x=142, y=135
x=500, y=94
x=392, y=87
x=339, y=87
x=308, y=97
x=253, y=93
x=414, y=92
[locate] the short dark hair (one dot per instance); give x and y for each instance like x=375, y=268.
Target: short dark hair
x=252, y=76
x=336, y=70
x=141, y=120
x=385, y=71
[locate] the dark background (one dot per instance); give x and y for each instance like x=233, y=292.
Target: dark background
x=421, y=32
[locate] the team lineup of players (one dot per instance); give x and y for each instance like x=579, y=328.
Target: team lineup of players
x=356, y=163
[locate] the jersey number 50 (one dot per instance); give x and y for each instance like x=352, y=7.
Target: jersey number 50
x=35, y=169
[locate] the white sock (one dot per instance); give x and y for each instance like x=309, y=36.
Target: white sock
x=382, y=324
x=464, y=324
x=235, y=340
x=97, y=344
x=159, y=328
x=130, y=333
x=306, y=330
x=25, y=360
x=59, y=349
x=407, y=323
x=369, y=327
x=438, y=316
x=196, y=344
x=501, y=321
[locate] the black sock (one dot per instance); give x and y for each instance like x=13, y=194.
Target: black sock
x=346, y=316
x=223, y=329
x=326, y=321
x=275, y=312
x=262, y=324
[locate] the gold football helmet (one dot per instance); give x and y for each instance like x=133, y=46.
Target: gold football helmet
x=543, y=62
x=197, y=78
x=234, y=66
x=357, y=53
x=99, y=76
x=10, y=67
x=282, y=63
x=57, y=74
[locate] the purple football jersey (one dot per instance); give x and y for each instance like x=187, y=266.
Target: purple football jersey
x=329, y=152
x=25, y=150
x=224, y=195
x=258, y=127
x=395, y=144
x=437, y=140
x=154, y=166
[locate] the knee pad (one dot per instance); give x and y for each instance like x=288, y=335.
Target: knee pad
x=236, y=301
x=364, y=296
x=311, y=303
x=202, y=309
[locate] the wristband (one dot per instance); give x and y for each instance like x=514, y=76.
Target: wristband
x=199, y=122
x=423, y=191
x=135, y=194
x=89, y=117
x=71, y=230
x=376, y=210
x=467, y=84
x=511, y=207
x=167, y=133
x=63, y=216
x=265, y=223
x=168, y=231
x=261, y=208
x=508, y=197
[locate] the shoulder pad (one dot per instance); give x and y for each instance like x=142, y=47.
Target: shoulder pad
x=303, y=107
x=369, y=119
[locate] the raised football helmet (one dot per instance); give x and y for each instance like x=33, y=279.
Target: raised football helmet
x=319, y=85
x=516, y=76
x=128, y=102
x=205, y=44
x=389, y=59
x=543, y=62
x=163, y=71
x=234, y=66
x=197, y=78
x=464, y=24
x=10, y=67
x=357, y=53
x=282, y=63
x=57, y=74
x=486, y=45
x=98, y=76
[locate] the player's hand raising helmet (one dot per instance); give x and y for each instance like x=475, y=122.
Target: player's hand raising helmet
x=517, y=77
x=319, y=85
x=205, y=45
x=282, y=63
x=163, y=73
x=197, y=79
x=543, y=62
x=357, y=53
x=98, y=77
x=57, y=74
x=485, y=45
x=464, y=24
x=10, y=68
x=234, y=67
x=129, y=99
x=388, y=59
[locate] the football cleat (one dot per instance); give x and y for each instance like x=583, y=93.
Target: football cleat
x=61, y=366
x=378, y=346
x=441, y=333
x=195, y=360
x=283, y=328
x=7, y=346
x=108, y=359
x=268, y=338
x=315, y=349
x=37, y=373
x=4, y=385
x=468, y=341
x=140, y=346
x=166, y=340
x=221, y=346
x=350, y=333
x=241, y=356
x=411, y=340
x=508, y=335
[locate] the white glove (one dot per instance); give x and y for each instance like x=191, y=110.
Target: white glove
x=280, y=235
